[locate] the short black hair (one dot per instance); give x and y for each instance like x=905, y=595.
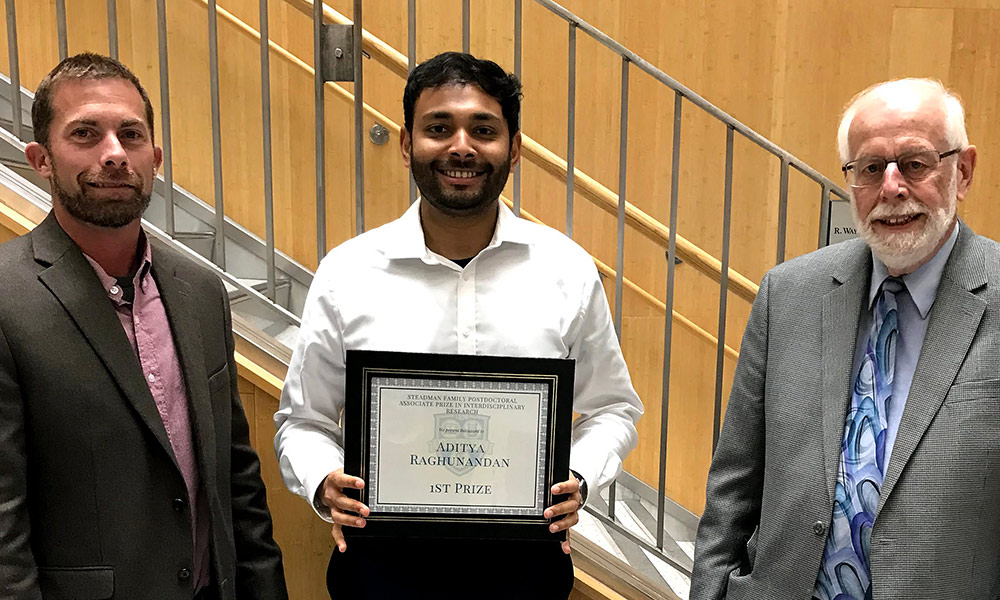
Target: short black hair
x=457, y=68
x=84, y=66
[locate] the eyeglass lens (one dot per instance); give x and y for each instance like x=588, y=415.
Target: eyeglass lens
x=916, y=166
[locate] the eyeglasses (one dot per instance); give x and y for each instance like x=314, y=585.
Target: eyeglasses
x=868, y=171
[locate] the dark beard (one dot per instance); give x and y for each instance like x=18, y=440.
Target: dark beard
x=113, y=214
x=459, y=203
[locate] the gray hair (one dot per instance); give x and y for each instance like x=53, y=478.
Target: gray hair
x=954, y=112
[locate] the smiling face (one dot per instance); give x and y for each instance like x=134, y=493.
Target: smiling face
x=460, y=150
x=904, y=221
x=100, y=158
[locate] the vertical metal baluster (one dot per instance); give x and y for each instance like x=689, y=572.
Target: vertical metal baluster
x=320, y=108
x=465, y=26
x=113, y=29
x=15, y=71
x=359, y=123
x=411, y=55
x=824, y=216
x=782, y=211
x=61, y=28
x=168, y=165
x=571, y=130
x=668, y=326
x=213, y=66
x=720, y=356
x=517, y=73
x=620, y=252
x=265, y=109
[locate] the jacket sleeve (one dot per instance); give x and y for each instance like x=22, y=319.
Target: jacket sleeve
x=18, y=572
x=736, y=477
x=259, y=572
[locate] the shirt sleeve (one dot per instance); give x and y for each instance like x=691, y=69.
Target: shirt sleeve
x=310, y=442
x=608, y=406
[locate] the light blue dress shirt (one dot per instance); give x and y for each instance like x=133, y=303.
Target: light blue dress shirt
x=913, y=307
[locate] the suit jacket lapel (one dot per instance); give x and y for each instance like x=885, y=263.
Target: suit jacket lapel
x=954, y=320
x=841, y=313
x=180, y=303
x=73, y=282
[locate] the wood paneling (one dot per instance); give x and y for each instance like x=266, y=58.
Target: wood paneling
x=783, y=68
x=6, y=234
x=304, y=538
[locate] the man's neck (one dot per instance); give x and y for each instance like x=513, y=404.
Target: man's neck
x=114, y=249
x=457, y=237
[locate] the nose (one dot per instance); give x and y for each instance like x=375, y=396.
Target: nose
x=112, y=152
x=893, y=183
x=461, y=145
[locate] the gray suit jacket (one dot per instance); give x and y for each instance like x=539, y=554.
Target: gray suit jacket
x=771, y=484
x=92, y=503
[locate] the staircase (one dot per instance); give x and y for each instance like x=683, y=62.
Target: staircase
x=632, y=529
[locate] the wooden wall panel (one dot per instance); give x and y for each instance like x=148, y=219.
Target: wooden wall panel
x=783, y=68
x=304, y=538
x=6, y=235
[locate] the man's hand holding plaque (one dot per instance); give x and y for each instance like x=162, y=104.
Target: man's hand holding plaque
x=569, y=507
x=343, y=510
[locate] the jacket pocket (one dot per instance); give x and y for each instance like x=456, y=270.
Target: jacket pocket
x=77, y=583
x=966, y=391
x=219, y=380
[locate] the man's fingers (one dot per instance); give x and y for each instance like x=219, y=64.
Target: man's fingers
x=338, y=537
x=565, y=523
x=344, y=503
x=342, y=518
x=565, y=546
x=343, y=481
x=565, y=507
x=570, y=486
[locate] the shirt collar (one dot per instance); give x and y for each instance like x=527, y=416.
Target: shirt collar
x=922, y=284
x=407, y=237
x=139, y=280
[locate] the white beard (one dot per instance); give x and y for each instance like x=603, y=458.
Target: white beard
x=904, y=252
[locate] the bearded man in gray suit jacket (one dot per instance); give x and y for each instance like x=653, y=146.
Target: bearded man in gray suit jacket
x=126, y=470
x=860, y=455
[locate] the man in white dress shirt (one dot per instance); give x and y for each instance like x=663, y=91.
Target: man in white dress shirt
x=458, y=273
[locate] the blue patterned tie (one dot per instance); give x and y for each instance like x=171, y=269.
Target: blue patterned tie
x=846, y=571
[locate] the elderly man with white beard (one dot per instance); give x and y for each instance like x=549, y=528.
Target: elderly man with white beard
x=860, y=455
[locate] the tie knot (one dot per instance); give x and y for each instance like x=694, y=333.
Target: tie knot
x=893, y=285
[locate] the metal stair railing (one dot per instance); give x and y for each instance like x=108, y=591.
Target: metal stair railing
x=627, y=214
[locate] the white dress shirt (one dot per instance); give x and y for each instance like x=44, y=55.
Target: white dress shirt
x=531, y=292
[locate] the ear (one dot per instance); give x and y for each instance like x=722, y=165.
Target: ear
x=157, y=159
x=39, y=159
x=966, y=166
x=515, y=149
x=405, y=146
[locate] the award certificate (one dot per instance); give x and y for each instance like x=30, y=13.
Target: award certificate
x=455, y=445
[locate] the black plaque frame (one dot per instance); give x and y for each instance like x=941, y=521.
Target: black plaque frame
x=363, y=365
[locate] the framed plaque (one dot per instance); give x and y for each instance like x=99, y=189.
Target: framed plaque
x=455, y=445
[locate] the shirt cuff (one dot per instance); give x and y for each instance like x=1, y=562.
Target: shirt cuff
x=584, y=488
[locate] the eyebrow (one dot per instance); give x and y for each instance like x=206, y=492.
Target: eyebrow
x=123, y=124
x=479, y=116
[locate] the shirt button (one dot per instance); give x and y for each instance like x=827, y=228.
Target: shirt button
x=178, y=504
x=151, y=378
x=184, y=574
x=114, y=289
x=819, y=528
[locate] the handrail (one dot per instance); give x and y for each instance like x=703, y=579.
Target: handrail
x=649, y=298
x=588, y=187
x=645, y=220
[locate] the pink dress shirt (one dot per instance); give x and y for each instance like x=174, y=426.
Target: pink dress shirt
x=148, y=331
